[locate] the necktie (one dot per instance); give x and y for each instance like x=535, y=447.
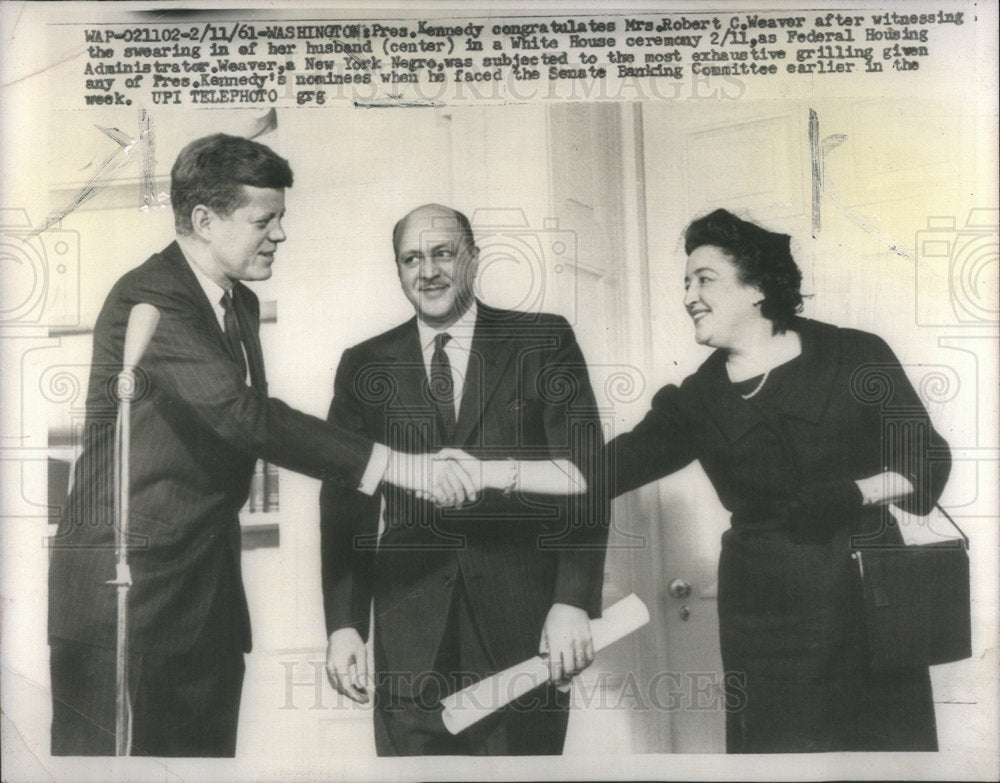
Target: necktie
x=442, y=388
x=232, y=328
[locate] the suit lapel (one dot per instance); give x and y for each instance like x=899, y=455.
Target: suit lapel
x=247, y=314
x=404, y=360
x=489, y=356
x=184, y=276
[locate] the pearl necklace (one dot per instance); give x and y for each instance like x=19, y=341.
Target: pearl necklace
x=758, y=387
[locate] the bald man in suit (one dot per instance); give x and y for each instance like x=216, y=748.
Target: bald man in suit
x=461, y=593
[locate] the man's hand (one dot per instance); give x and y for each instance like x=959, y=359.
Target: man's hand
x=482, y=474
x=567, y=642
x=347, y=664
x=444, y=481
x=455, y=478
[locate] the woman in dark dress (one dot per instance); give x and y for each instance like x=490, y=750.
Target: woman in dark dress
x=807, y=431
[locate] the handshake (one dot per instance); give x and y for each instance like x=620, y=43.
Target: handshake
x=451, y=477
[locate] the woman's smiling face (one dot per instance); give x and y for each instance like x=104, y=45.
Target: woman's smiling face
x=718, y=301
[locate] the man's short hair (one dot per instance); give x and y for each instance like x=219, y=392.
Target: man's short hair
x=212, y=171
x=461, y=223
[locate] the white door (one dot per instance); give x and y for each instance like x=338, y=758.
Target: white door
x=693, y=162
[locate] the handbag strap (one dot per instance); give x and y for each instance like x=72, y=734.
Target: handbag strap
x=954, y=524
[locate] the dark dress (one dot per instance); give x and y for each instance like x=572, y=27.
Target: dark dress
x=790, y=619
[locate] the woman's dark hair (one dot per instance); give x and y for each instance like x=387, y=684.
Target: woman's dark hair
x=763, y=258
x=212, y=171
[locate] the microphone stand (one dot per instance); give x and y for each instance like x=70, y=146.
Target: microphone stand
x=139, y=331
x=123, y=576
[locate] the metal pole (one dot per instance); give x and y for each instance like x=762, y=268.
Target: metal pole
x=123, y=577
x=142, y=322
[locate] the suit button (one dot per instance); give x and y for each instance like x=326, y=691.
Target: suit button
x=449, y=581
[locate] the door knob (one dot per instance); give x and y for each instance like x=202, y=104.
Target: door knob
x=678, y=588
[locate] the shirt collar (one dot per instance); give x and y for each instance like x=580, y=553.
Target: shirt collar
x=461, y=331
x=212, y=290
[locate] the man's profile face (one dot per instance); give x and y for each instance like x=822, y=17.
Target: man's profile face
x=243, y=243
x=437, y=266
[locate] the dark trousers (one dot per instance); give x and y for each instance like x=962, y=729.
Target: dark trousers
x=181, y=705
x=533, y=725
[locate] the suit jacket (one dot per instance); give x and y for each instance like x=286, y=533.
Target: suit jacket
x=526, y=395
x=197, y=429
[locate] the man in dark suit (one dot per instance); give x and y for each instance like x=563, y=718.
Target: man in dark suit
x=200, y=420
x=463, y=592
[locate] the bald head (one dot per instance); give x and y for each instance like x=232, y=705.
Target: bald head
x=436, y=260
x=439, y=216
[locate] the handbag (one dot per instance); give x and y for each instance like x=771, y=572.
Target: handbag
x=916, y=602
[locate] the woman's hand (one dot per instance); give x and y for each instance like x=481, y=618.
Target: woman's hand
x=818, y=510
x=884, y=488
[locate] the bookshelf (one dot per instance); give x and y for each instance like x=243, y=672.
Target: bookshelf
x=260, y=517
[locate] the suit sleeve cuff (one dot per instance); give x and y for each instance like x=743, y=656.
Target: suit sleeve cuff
x=377, y=463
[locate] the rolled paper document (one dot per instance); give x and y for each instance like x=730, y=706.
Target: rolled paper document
x=470, y=705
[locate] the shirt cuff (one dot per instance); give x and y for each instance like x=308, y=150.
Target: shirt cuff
x=377, y=464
